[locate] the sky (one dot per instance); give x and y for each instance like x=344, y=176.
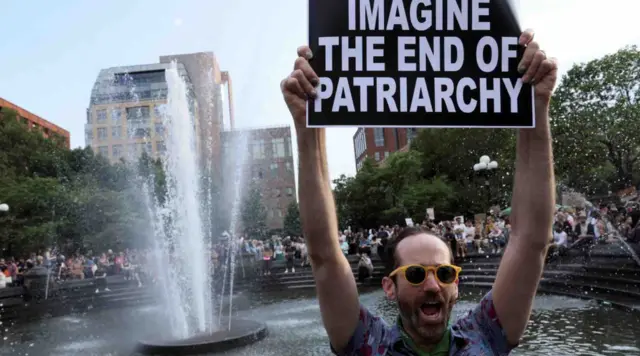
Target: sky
x=52, y=51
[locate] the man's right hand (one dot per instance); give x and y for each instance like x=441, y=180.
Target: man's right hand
x=300, y=86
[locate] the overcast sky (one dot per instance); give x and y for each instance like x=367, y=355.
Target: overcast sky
x=52, y=50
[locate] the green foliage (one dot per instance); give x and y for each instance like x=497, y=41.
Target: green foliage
x=254, y=215
x=70, y=199
x=595, y=117
x=291, y=224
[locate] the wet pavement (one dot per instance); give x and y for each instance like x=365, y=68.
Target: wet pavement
x=559, y=326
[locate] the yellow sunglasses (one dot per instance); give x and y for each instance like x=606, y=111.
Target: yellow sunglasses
x=417, y=274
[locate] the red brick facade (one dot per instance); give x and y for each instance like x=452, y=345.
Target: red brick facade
x=36, y=121
x=379, y=143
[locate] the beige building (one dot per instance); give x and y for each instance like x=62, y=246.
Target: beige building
x=125, y=115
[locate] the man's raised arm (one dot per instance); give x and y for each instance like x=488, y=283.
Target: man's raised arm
x=335, y=285
x=532, y=203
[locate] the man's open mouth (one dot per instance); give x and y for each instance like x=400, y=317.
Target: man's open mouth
x=431, y=311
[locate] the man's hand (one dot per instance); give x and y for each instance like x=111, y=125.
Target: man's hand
x=539, y=71
x=533, y=200
x=299, y=86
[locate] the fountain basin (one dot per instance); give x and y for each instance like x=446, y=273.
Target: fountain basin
x=243, y=332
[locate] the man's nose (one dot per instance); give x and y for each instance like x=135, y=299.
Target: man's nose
x=431, y=283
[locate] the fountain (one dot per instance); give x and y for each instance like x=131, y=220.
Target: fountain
x=181, y=250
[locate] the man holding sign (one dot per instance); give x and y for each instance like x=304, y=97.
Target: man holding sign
x=422, y=279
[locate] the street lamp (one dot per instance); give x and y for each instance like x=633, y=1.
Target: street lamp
x=4, y=208
x=485, y=165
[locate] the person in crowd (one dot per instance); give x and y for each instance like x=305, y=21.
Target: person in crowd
x=424, y=281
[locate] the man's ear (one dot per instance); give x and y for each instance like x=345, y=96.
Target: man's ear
x=389, y=288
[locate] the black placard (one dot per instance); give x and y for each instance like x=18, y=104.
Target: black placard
x=417, y=63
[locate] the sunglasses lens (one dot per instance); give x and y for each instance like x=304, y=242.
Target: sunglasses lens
x=446, y=274
x=415, y=274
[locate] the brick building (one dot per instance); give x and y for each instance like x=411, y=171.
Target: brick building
x=267, y=157
x=378, y=142
x=36, y=122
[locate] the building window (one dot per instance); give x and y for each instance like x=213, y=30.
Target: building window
x=101, y=116
x=132, y=149
x=116, y=116
x=386, y=154
x=276, y=193
x=102, y=133
x=160, y=111
x=274, y=170
x=277, y=146
x=103, y=151
x=148, y=147
x=378, y=136
x=289, y=147
x=377, y=156
x=116, y=131
x=138, y=113
x=258, y=151
x=288, y=166
x=279, y=213
x=161, y=147
x=289, y=191
x=159, y=130
x=411, y=134
x=270, y=214
x=116, y=151
x=142, y=133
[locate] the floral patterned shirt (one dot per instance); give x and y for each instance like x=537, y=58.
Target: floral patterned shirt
x=477, y=334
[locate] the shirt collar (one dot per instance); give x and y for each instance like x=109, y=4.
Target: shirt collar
x=441, y=349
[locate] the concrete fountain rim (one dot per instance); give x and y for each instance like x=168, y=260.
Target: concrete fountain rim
x=243, y=332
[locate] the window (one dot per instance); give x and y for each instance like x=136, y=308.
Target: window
x=274, y=170
x=276, y=193
x=138, y=113
x=116, y=116
x=377, y=155
x=279, y=213
x=289, y=191
x=103, y=151
x=101, y=116
x=378, y=136
x=288, y=166
x=116, y=151
x=411, y=134
x=161, y=147
x=159, y=130
x=132, y=148
x=116, y=131
x=148, y=147
x=270, y=213
x=289, y=147
x=160, y=111
x=142, y=133
x=360, y=143
x=277, y=147
x=386, y=154
x=102, y=133
x=258, y=151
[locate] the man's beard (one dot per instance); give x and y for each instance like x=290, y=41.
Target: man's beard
x=430, y=334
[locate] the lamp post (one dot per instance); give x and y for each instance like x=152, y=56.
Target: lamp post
x=484, y=166
x=4, y=208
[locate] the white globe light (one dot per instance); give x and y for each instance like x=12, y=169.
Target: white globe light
x=485, y=159
x=493, y=165
x=476, y=167
x=4, y=207
x=482, y=166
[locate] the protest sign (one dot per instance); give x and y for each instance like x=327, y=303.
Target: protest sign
x=417, y=63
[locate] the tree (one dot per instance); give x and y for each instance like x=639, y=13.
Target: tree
x=254, y=215
x=595, y=117
x=292, y=220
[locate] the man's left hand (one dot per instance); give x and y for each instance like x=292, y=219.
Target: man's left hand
x=538, y=70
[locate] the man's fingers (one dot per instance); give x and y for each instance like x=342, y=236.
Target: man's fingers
x=304, y=82
x=547, y=66
x=291, y=85
x=526, y=37
x=303, y=65
x=527, y=58
x=538, y=58
x=305, y=52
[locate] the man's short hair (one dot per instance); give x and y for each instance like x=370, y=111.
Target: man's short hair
x=391, y=260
